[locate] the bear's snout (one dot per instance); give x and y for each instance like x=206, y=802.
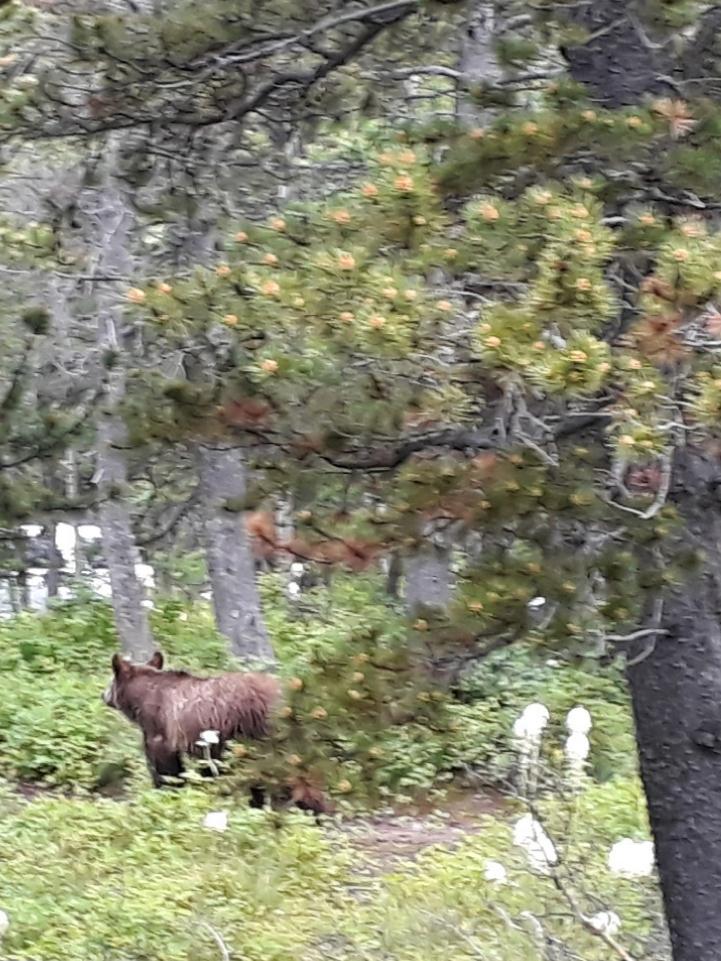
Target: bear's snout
x=107, y=696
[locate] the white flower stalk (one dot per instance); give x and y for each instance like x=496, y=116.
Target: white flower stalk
x=578, y=747
x=605, y=922
x=529, y=834
x=206, y=740
x=528, y=732
x=578, y=721
x=209, y=737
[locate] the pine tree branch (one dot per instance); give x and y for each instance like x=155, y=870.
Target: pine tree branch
x=178, y=86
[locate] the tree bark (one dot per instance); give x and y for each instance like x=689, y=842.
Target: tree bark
x=428, y=579
x=110, y=219
x=617, y=63
x=478, y=60
x=675, y=682
x=119, y=548
x=394, y=574
x=222, y=476
x=231, y=569
x=676, y=689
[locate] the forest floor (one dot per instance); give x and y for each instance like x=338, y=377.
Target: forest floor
x=391, y=839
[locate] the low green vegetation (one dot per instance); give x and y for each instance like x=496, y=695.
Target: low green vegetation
x=97, y=867
x=85, y=880
x=363, y=720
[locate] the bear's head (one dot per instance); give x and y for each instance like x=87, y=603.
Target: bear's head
x=123, y=671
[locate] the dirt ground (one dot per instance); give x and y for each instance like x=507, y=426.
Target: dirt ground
x=390, y=839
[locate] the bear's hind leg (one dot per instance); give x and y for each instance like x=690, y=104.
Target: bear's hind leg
x=257, y=796
x=163, y=762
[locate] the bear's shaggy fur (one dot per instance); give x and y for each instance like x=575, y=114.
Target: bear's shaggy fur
x=173, y=708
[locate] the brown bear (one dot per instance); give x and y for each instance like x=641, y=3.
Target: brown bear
x=173, y=708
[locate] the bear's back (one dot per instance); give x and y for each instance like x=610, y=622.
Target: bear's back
x=234, y=704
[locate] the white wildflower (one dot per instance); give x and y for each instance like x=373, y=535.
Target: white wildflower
x=578, y=746
x=530, y=835
x=537, y=717
x=495, y=872
x=578, y=721
x=216, y=821
x=606, y=922
x=631, y=859
x=209, y=737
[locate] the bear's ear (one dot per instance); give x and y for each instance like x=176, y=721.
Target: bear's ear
x=120, y=665
x=157, y=661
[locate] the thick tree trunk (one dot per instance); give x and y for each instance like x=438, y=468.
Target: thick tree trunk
x=231, y=568
x=676, y=688
x=617, y=63
x=676, y=681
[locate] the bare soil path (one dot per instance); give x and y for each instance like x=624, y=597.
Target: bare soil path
x=388, y=840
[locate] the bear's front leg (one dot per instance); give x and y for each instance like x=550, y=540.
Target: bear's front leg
x=163, y=762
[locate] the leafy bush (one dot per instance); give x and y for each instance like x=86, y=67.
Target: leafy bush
x=495, y=693
x=446, y=906
x=84, y=880
x=80, y=636
x=56, y=731
x=74, y=636
x=144, y=881
x=365, y=721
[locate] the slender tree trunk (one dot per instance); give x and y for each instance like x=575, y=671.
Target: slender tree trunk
x=428, y=579
x=110, y=220
x=231, y=568
x=119, y=548
x=223, y=479
x=394, y=574
x=676, y=688
x=478, y=61
x=54, y=560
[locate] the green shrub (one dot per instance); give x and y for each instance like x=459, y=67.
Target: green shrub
x=500, y=687
x=80, y=636
x=444, y=906
x=90, y=880
x=141, y=880
x=399, y=739
x=73, y=636
x=55, y=731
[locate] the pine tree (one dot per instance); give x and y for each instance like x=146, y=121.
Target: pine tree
x=509, y=327
x=563, y=371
